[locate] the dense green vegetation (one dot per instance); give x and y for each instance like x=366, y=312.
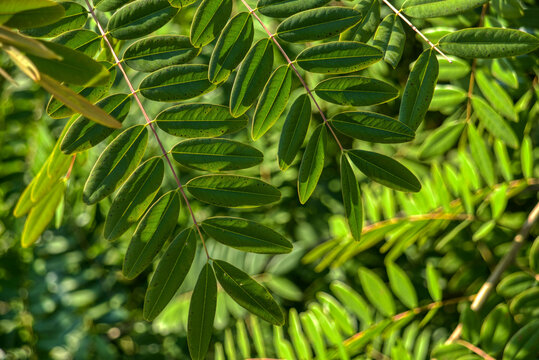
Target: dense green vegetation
x=292, y=179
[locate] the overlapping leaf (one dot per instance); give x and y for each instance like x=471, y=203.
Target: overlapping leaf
x=75, y=17
x=286, y=8
x=390, y=39
x=85, y=41
x=365, y=28
x=435, y=8
x=351, y=196
x=209, y=21
x=30, y=13
x=294, y=130
x=493, y=122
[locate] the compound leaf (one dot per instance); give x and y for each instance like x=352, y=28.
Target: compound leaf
x=294, y=130
x=312, y=163
x=209, y=21
x=356, y=91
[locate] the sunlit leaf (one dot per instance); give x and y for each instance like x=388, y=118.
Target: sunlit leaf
x=377, y=292
x=373, y=127
x=312, y=163
x=355, y=91
x=75, y=17
x=435, y=8
x=294, y=131
x=351, y=196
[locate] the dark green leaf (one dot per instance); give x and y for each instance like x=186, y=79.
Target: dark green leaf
x=488, y=43
x=317, y=24
x=251, y=77
x=140, y=18
x=216, y=154
x=515, y=283
x=115, y=164
x=85, y=41
x=84, y=133
x=365, y=28
x=401, y=285
x=493, y=122
x=390, y=39
x=338, y=57
x=377, y=292
x=134, y=197
x=209, y=20
x=178, y=82
x=272, y=101
x=435, y=8
x=109, y=5
x=232, y=190
x=534, y=256
x=312, y=163
x=199, y=120
x=524, y=344
x=385, y=170
x=496, y=330
x=153, y=230
x=170, y=273
x=294, y=130
x=419, y=89
x=74, y=18
x=356, y=91
x=351, y=196
x=246, y=235
x=248, y=293
x=202, y=313
x=286, y=8
x=156, y=52
x=373, y=127
x=233, y=43
x=30, y=13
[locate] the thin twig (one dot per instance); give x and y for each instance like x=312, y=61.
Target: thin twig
x=291, y=64
x=149, y=123
x=504, y=263
x=475, y=349
x=399, y=14
x=68, y=174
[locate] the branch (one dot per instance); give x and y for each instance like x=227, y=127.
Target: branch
x=148, y=122
x=475, y=349
x=291, y=64
x=504, y=263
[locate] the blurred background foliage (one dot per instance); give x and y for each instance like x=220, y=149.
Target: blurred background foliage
x=66, y=298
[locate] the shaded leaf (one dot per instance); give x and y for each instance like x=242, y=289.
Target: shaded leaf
x=75, y=17
x=312, y=163
x=246, y=235
x=390, y=39
x=373, y=127
x=216, y=154
x=294, y=131
x=286, y=8
x=115, y=163
x=496, y=330
x=365, y=28
x=109, y=5
x=85, y=41
x=209, y=21
x=356, y=91
x=232, y=190
x=351, y=196
x=26, y=44
x=170, y=273
x=248, y=293
x=433, y=283
x=524, y=344
x=199, y=120
x=30, y=13
x=151, y=233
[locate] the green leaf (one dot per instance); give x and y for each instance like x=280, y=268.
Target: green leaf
x=202, y=313
x=515, y=283
x=526, y=157
x=384, y=170
x=435, y=8
x=248, y=293
x=496, y=95
x=447, y=97
x=58, y=110
x=75, y=17
x=401, y=285
x=74, y=68
x=471, y=325
x=493, y=122
x=246, y=235
x=317, y=24
x=178, y=82
x=199, y=120
x=312, y=163
x=216, y=154
x=352, y=300
x=109, y=5
x=524, y=344
x=369, y=126
x=419, y=89
x=85, y=41
x=534, y=256
x=272, y=101
x=42, y=213
x=26, y=44
x=30, y=13
x=230, y=49
x=496, y=330
x=294, y=131
x=251, y=77
x=338, y=57
x=115, y=164
x=134, y=197
x=488, y=43
x=299, y=340
x=170, y=273
x=156, y=52
x=351, y=196
x=153, y=230
x=312, y=329
x=525, y=304
x=433, y=283
x=232, y=191
x=286, y=8
x=365, y=28
x=481, y=155
x=356, y=91
x=84, y=134
x=456, y=69
x=503, y=70
x=209, y=20
x=390, y=39
x=377, y=292
x=441, y=140
x=140, y=18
